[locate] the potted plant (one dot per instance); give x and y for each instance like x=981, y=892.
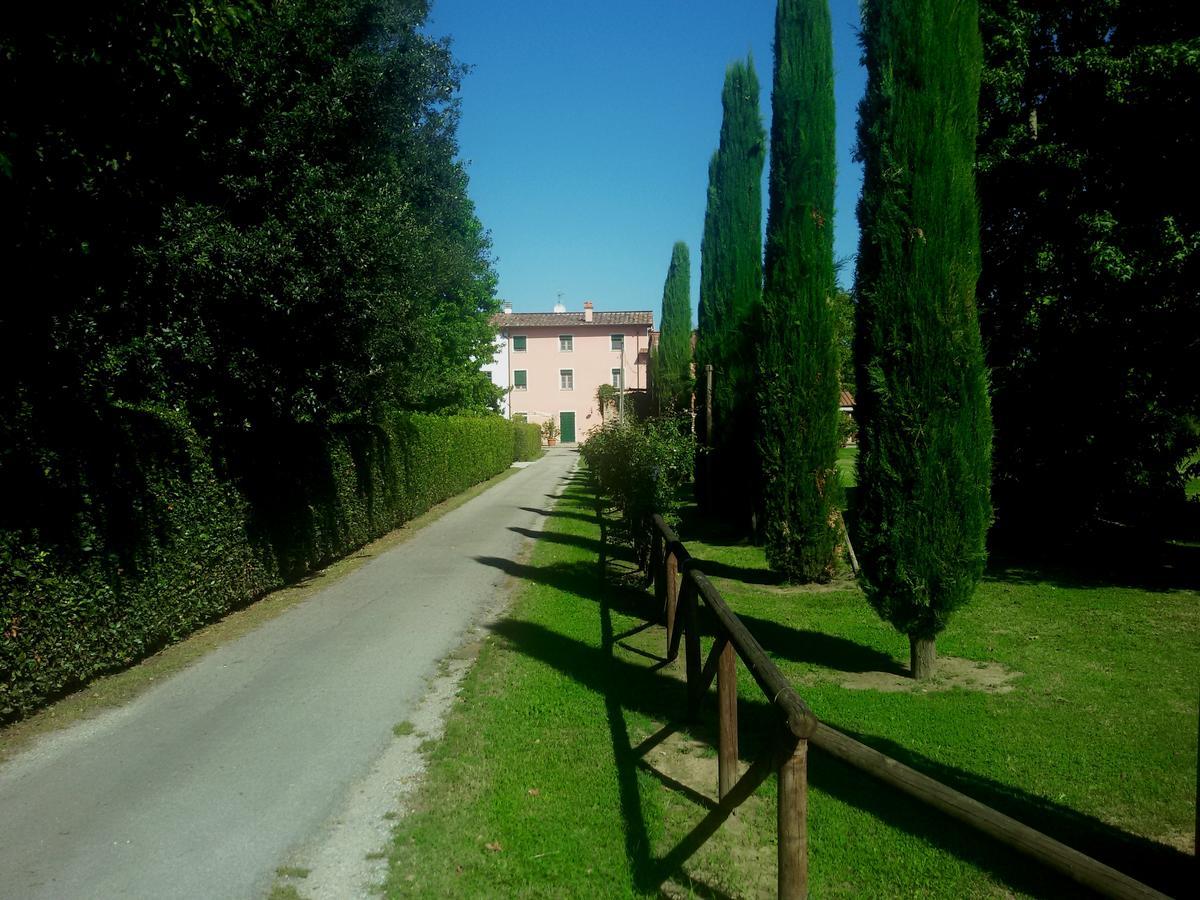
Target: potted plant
x=550, y=432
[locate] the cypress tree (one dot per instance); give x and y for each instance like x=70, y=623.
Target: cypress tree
x=673, y=360
x=731, y=290
x=798, y=379
x=925, y=429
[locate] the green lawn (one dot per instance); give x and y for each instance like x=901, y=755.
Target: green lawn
x=1088, y=732
x=846, y=461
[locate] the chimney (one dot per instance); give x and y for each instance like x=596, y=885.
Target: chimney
x=587, y=310
x=508, y=307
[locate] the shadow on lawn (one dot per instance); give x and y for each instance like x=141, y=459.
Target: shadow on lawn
x=1109, y=556
x=641, y=687
x=560, y=513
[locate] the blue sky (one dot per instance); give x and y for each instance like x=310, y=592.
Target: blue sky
x=587, y=128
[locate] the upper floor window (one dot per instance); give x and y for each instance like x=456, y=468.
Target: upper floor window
x=518, y=343
x=617, y=341
x=520, y=379
x=566, y=379
x=565, y=343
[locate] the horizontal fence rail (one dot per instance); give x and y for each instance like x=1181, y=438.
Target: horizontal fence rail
x=680, y=588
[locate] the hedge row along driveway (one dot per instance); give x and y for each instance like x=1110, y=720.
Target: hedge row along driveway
x=175, y=540
x=205, y=784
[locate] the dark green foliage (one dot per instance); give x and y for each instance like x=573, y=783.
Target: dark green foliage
x=922, y=509
x=252, y=216
x=798, y=385
x=638, y=467
x=673, y=359
x=527, y=441
x=843, y=302
x=247, y=238
x=194, y=547
x=730, y=292
x=1091, y=255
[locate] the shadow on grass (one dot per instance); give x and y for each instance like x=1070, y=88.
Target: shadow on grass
x=557, y=537
x=835, y=653
x=636, y=686
x=1108, y=555
x=560, y=513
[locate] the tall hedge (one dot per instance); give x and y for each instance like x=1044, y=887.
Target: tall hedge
x=730, y=292
x=194, y=545
x=925, y=430
x=798, y=360
x=527, y=441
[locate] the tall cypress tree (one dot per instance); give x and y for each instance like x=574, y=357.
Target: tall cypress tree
x=672, y=362
x=798, y=380
x=731, y=290
x=925, y=428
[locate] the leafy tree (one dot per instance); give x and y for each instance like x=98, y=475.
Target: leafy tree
x=1090, y=251
x=924, y=425
x=673, y=358
x=246, y=214
x=730, y=292
x=798, y=364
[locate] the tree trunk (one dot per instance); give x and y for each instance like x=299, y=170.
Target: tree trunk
x=922, y=656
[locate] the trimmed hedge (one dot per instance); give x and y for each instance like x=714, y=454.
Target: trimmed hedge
x=527, y=441
x=204, y=542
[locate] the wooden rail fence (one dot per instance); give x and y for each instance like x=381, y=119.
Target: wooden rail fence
x=681, y=588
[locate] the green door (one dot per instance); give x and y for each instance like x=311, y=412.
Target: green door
x=566, y=425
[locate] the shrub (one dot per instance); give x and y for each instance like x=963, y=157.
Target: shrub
x=639, y=467
x=197, y=543
x=527, y=441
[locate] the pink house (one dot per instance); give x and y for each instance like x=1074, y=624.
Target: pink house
x=554, y=363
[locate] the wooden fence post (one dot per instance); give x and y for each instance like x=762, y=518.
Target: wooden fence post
x=671, y=576
x=727, y=741
x=793, y=819
x=691, y=650
x=657, y=565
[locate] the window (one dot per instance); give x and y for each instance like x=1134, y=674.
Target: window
x=565, y=343
x=520, y=379
x=566, y=379
x=617, y=341
x=616, y=379
x=518, y=343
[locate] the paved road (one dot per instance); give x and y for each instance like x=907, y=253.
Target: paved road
x=201, y=786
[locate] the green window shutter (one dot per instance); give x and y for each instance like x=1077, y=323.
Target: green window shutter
x=520, y=381
x=518, y=343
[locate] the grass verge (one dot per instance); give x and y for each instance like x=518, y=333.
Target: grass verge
x=1088, y=732
x=117, y=689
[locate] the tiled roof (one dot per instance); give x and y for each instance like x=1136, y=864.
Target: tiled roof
x=554, y=320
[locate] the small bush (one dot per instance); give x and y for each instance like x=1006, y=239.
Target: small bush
x=527, y=441
x=639, y=467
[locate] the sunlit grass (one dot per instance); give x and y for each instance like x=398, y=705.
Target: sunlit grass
x=535, y=790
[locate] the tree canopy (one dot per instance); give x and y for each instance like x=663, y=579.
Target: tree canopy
x=246, y=214
x=673, y=357
x=730, y=293
x=798, y=381
x=922, y=511
x=1091, y=259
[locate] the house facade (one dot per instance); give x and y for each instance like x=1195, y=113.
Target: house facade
x=552, y=364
